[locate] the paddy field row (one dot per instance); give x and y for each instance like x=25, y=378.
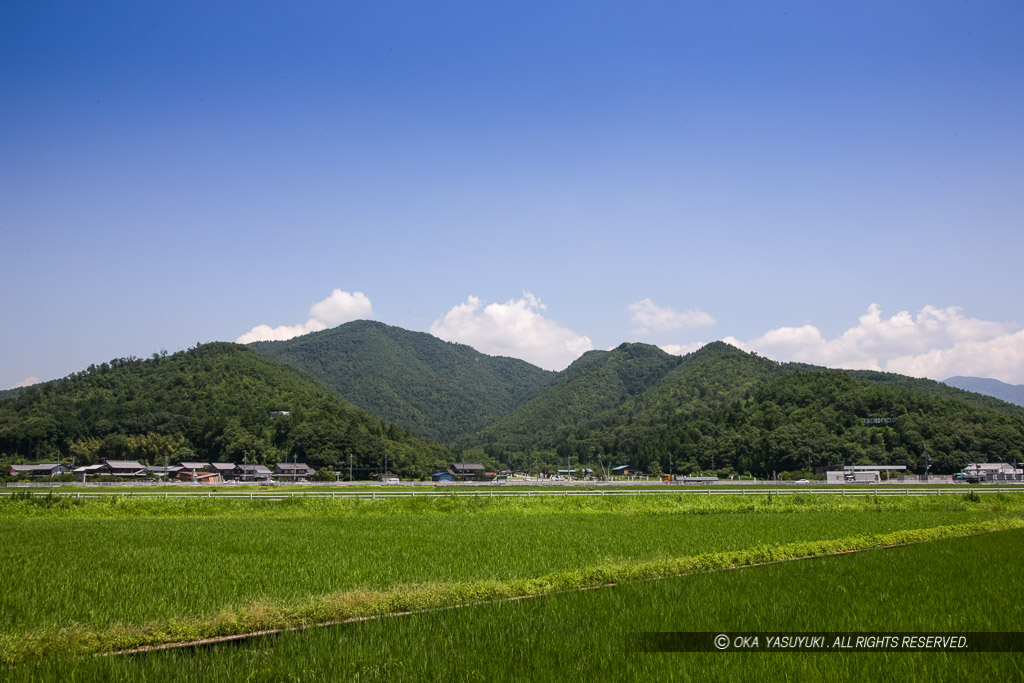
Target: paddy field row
x=96, y=573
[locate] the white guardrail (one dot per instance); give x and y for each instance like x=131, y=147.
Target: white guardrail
x=881, y=492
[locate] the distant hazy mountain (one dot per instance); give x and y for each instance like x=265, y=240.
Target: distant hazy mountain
x=431, y=387
x=1011, y=393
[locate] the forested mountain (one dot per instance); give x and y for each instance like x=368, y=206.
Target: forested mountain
x=212, y=402
x=928, y=386
x=609, y=402
x=720, y=409
x=598, y=382
x=1011, y=393
x=431, y=387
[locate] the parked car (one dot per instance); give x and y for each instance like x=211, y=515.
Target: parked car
x=801, y=481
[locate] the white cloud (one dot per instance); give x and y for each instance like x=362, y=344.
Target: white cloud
x=339, y=307
x=27, y=382
x=936, y=343
x=647, y=316
x=683, y=349
x=279, y=333
x=1000, y=358
x=516, y=328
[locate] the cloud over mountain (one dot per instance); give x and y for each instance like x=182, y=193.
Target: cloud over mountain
x=339, y=307
x=647, y=316
x=936, y=343
x=515, y=328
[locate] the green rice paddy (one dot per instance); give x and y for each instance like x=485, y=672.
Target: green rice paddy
x=91, y=574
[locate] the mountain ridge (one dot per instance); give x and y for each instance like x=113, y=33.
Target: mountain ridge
x=438, y=389
x=217, y=401
x=1011, y=393
x=718, y=409
x=725, y=410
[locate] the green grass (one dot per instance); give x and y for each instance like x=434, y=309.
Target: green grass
x=270, y=504
x=95, y=566
x=591, y=635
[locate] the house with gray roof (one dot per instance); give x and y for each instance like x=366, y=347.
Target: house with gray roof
x=468, y=471
x=47, y=469
x=253, y=472
x=293, y=471
x=127, y=469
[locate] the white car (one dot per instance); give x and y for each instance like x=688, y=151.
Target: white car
x=801, y=481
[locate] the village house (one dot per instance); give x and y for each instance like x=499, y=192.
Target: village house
x=468, y=471
x=85, y=471
x=127, y=469
x=197, y=472
x=163, y=472
x=295, y=471
x=253, y=472
x=48, y=469
x=226, y=470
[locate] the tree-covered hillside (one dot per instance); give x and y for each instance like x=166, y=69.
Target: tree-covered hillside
x=597, y=382
x=718, y=409
x=928, y=386
x=212, y=402
x=806, y=420
x=724, y=410
x=431, y=387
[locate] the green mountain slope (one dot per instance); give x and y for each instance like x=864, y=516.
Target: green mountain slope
x=213, y=402
x=725, y=410
x=431, y=387
x=927, y=386
x=599, y=381
x=718, y=409
x=704, y=380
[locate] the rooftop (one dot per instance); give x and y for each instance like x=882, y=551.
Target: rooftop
x=125, y=468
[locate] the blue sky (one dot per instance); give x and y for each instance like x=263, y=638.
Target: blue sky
x=834, y=184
